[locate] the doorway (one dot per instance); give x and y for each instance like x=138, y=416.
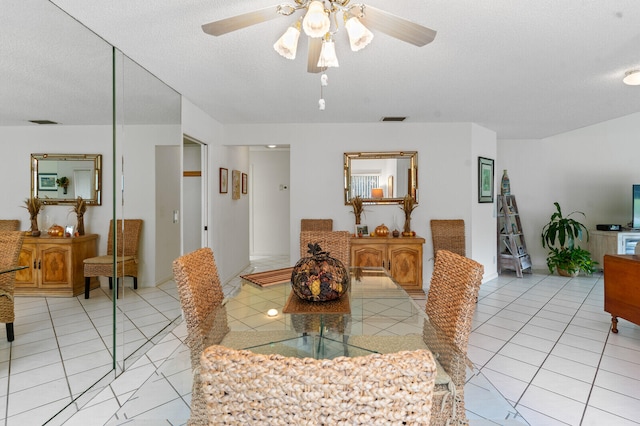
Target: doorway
x=195, y=195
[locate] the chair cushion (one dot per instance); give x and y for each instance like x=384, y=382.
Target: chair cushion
x=108, y=259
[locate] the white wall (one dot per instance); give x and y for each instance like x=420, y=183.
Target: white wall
x=447, y=174
x=482, y=228
x=589, y=170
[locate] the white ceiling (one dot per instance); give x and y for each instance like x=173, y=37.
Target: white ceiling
x=526, y=69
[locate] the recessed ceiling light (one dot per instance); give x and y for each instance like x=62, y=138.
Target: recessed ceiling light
x=271, y=146
x=632, y=78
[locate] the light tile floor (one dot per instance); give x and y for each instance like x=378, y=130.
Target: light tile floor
x=543, y=340
x=63, y=346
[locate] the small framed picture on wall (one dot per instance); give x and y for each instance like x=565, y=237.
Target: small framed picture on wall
x=485, y=180
x=244, y=183
x=235, y=184
x=224, y=180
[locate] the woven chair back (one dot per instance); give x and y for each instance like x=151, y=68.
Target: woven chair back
x=448, y=234
x=336, y=243
x=199, y=288
x=128, y=237
x=316, y=224
x=451, y=301
x=9, y=225
x=243, y=387
x=10, y=245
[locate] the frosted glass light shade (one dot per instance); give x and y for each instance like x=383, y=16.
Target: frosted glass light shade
x=328, y=56
x=316, y=22
x=359, y=35
x=632, y=78
x=287, y=45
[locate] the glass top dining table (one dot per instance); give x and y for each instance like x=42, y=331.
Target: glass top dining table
x=375, y=306
x=12, y=269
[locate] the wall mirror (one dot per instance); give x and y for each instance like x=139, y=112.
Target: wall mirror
x=62, y=178
x=380, y=177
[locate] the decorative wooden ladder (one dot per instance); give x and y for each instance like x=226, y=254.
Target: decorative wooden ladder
x=512, y=248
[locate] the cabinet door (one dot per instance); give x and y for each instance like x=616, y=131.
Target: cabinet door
x=372, y=255
x=27, y=278
x=405, y=266
x=55, y=266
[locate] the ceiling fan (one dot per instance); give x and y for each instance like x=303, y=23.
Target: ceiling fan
x=315, y=20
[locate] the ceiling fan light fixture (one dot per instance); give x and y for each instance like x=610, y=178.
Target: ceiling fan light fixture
x=328, y=56
x=316, y=22
x=359, y=35
x=287, y=45
x=632, y=78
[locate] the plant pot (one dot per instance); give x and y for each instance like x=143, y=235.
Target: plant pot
x=564, y=273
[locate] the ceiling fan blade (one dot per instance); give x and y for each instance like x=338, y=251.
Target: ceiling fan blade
x=315, y=46
x=238, y=22
x=396, y=26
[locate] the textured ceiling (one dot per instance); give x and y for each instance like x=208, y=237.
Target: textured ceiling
x=524, y=69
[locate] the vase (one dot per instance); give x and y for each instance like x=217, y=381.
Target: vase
x=407, y=226
x=34, y=227
x=80, y=225
x=505, y=186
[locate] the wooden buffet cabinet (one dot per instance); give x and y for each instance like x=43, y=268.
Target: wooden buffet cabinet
x=54, y=265
x=401, y=256
x=622, y=288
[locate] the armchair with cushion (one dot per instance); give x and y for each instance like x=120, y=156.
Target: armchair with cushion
x=128, y=239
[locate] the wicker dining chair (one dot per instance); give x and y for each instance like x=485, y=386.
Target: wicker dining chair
x=336, y=243
x=9, y=225
x=245, y=388
x=316, y=224
x=10, y=245
x=451, y=303
x=128, y=241
x=448, y=234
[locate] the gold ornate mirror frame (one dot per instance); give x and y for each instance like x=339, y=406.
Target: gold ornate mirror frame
x=380, y=177
x=62, y=178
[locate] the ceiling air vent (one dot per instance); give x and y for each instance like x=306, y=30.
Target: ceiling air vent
x=42, y=122
x=394, y=118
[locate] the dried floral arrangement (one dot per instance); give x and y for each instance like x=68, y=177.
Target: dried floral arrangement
x=408, y=205
x=79, y=209
x=33, y=206
x=358, y=208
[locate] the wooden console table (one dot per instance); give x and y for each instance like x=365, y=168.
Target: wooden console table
x=622, y=288
x=54, y=265
x=401, y=256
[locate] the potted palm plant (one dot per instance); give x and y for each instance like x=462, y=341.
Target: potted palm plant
x=560, y=236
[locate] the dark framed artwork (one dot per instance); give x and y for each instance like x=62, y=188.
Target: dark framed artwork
x=244, y=183
x=224, y=180
x=47, y=181
x=235, y=184
x=485, y=180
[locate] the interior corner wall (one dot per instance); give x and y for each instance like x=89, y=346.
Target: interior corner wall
x=227, y=219
x=483, y=242
x=589, y=170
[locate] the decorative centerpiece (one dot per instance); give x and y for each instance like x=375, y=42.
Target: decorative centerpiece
x=55, y=231
x=382, y=231
x=33, y=205
x=320, y=277
x=408, y=204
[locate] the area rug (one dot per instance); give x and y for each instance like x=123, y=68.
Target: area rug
x=295, y=305
x=267, y=278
